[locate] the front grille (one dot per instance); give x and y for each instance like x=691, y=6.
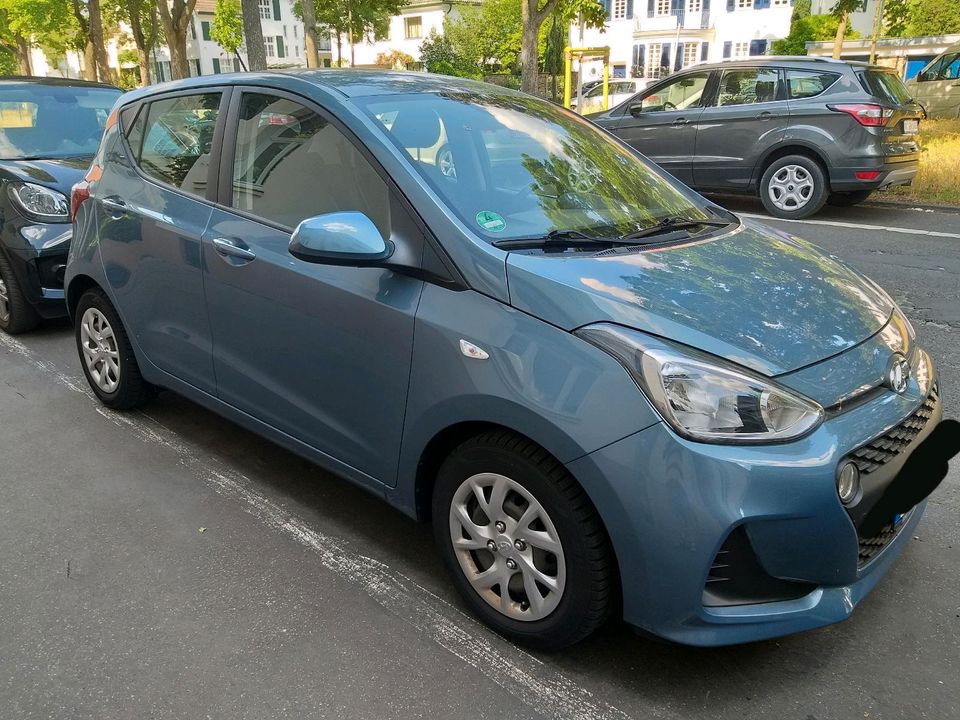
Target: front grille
x=871, y=547
x=881, y=450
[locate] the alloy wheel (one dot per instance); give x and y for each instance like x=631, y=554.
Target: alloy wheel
x=100, y=351
x=791, y=187
x=507, y=546
x=4, y=302
x=446, y=165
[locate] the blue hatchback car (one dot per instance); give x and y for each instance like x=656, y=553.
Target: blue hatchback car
x=607, y=393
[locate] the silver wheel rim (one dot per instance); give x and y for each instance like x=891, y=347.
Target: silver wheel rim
x=4, y=302
x=507, y=546
x=99, y=347
x=445, y=163
x=791, y=187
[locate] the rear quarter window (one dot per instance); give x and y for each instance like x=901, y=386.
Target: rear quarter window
x=885, y=85
x=808, y=83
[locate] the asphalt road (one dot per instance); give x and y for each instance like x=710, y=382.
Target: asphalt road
x=168, y=564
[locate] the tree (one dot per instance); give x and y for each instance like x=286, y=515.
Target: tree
x=95, y=18
x=141, y=16
x=809, y=28
x=356, y=19
x=895, y=17
x=395, y=60
x=308, y=13
x=933, y=17
x=227, y=29
x=25, y=24
x=533, y=14
x=253, y=32
x=842, y=11
x=175, y=18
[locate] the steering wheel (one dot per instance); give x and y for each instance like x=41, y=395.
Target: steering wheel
x=667, y=105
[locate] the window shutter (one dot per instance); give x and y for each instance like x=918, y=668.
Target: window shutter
x=651, y=8
x=731, y=5
x=676, y=7
x=679, y=61
x=205, y=28
x=280, y=46
x=216, y=66
x=607, y=8
x=706, y=6
x=761, y=4
x=629, y=8
x=639, y=59
x=727, y=49
x=276, y=9
x=704, y=48
x=665, y=57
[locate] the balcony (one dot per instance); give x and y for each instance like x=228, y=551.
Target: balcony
x=699, y=20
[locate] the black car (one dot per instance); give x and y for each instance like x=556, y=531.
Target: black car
x=800, y=132
x=49, y=132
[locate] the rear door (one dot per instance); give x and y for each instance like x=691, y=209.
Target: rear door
x=661, y=122
x=747, y=115
x=938, y=86
x=152, y=209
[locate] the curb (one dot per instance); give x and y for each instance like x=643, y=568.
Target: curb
x=910, y=205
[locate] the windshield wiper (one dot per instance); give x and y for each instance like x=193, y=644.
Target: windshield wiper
x=668, y=225
x=558, y=240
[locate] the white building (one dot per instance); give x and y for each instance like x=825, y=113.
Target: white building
x=649, y=39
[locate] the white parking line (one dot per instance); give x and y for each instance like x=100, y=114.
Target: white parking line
x=856, y=226
x=542, y=688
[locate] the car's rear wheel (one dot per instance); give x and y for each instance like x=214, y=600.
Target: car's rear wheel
x=16, y=314
x=106, y=354
x=524, y=544
x=848, y=199
x=793, y=187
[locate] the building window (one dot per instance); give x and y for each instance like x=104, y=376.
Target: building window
x=270, y=45
x=619, y=11
x=696, y=6
x=741, y=49
x=413, y=27
x=744, y=4
x=296, y=51
x=295, y=31
x=654, y=50
x=780, y=3
x=691, y=51
x=266, y=10
x=284, y=30
x=663, y=7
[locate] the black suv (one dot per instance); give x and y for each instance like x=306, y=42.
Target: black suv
x=799, y=132
x=49, y=132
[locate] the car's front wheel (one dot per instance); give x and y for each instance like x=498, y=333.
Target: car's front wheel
x=793, y=187
x=16, y=314
x=106, y=354
x=848, y=199
x=523, y=542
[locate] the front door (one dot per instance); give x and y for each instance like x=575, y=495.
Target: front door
x=662, y=123
x=150, y=226
x=319, y=352
x=938, y=87
x=748, y=115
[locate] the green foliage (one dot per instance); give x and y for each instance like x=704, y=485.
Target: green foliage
x=933, y=17
x=845, y=7
x=43, y=23
x=227, y=28
x=809, y=28
x=370, y=18
x=438, y=55
x=395, y=59
x=8, y=62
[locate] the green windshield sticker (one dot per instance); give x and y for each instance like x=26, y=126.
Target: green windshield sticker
x=491, y=221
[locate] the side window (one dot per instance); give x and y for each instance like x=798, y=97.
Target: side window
x=806, y=83
x=291, y=164
x=944, y=68
x=680, y=94
x=952, y=69
x=747, y=86
x=171, y=140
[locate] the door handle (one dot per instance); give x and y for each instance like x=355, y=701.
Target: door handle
x=232, y=248
x=680, y=122
x=114, y=205
x=765, y=115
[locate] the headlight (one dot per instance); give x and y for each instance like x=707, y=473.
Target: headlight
x=704, y=398
x=40, y=202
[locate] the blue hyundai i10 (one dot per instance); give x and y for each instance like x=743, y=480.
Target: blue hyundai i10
x=607, y=393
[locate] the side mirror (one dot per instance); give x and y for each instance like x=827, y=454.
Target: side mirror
x=340, y=238
x=636, y=109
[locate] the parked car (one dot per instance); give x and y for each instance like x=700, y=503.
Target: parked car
x=49, y=131
x=606, y=392
x=800, y=132
x=617, y=92
x=937, y=86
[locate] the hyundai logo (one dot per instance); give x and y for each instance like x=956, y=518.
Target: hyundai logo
x=898, y=373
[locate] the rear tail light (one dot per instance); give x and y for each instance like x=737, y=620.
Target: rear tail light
x=867, y=174
x=865, y=113
x=78, y=194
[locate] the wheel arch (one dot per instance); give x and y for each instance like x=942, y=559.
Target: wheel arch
x=792, y=147
x=79, y=284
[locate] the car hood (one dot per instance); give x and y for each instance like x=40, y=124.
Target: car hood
x=756, y=296
x=60, y=174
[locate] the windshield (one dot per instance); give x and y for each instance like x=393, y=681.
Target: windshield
x=52, y=121
x=513, y=166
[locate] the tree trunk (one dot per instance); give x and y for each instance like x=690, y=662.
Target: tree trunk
x=310, y=34
x=529, y=71
x=841, y=31
x=339, y=50
x=24, y=66
x=96, y=39
x=89, y=62
x=143, y=57
x=177, y=42
x=253, y=33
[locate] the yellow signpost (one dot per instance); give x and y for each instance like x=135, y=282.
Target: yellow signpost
x=581, y=54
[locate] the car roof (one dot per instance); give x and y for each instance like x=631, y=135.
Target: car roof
x=53, y=81
x=350, y=83
x=799, y=61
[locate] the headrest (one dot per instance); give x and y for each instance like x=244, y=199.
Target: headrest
x=416, y=127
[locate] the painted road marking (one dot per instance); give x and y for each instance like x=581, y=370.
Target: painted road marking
x=856, y=226
x=542, y=688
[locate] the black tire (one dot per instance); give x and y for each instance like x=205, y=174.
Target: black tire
x=814, y=200
x=848, y=199
x=590, y=591
x=131, y=390
x=16, y=314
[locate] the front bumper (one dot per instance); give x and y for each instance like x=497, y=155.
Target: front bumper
x=37, y=253
x=671, y=506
